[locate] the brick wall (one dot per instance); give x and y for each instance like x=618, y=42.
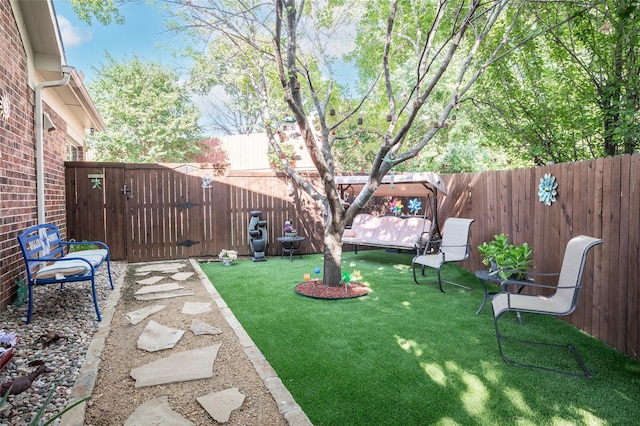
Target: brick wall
x=18, y=208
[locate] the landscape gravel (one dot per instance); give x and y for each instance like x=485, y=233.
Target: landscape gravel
x=67, y=312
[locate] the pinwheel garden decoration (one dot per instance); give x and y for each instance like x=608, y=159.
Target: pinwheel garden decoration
x=414, y=206
x=547, y=189
x=396, y=206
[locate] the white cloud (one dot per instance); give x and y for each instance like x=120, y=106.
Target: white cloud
x=72, y=36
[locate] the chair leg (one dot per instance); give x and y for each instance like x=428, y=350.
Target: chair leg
x=95, y=299
x=439, y=278
x=449, y=282
x=109, y=272
x=586, y=373
x=415, y=278
x=30, y=304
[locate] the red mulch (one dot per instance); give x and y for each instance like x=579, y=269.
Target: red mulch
x=317, y=290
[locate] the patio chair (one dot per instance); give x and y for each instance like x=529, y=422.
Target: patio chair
x=454, y=247
x=562, y=302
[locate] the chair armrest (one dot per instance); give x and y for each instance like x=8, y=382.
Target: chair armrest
x=56, y=259
x=543, y=274
x=424, y=243
x=466, y=246
x=78, y=243
x=461, y=245
x=507, y=282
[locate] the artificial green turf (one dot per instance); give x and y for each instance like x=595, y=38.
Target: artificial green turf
x=408, y=354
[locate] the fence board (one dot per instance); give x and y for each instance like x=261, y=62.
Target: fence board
x=623, y=260
x=633, y=271
x=600, y=198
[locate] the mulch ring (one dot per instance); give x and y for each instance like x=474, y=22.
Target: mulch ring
x=317, y=290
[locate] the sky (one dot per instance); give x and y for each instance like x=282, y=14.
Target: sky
x=143, y=34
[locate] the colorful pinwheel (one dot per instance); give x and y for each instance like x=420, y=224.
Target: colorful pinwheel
x=396, y=206
x=415, y=206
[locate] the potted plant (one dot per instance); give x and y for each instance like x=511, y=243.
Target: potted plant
x=289, y=230
x=505, y=259
x=227, y=256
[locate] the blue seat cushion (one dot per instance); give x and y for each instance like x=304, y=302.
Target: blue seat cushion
x=68, y=268
x=96, y=257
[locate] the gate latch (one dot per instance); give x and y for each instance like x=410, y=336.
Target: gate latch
x=126, y=191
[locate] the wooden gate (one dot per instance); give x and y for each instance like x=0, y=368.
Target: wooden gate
x=170, y=212
x=95, y=207
x=145, y=212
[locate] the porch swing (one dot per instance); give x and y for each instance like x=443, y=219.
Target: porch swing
x=406, y=185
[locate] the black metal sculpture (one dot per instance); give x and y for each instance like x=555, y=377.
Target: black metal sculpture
x=257, y=236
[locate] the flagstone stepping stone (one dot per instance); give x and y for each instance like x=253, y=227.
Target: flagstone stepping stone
x=150, y=280
x=221, y=404
x=199, y=327
x=156, y=337
x=167, y=295
x=159, y=288
x=179, y=367
x=195, y=308
x=181, y=276
x=156, y=412
x=162, y=267
x=134, y=317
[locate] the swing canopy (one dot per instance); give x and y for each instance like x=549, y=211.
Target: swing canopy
x=396, y=184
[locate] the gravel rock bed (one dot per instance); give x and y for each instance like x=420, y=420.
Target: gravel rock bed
x=69, y=312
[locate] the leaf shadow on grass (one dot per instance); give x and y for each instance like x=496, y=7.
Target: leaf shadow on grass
x=409, y=354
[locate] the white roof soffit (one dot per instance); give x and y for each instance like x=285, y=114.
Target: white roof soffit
x=47, y=50
x=399, y=184
x=76, y=97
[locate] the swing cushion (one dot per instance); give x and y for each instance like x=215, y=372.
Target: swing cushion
x=388, y=231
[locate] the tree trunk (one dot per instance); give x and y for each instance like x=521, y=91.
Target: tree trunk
x=334, y=224
x=332, y=259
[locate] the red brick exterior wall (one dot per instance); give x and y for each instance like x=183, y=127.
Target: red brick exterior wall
x=18, y=205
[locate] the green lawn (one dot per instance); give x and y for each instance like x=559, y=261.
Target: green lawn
x=411, y=355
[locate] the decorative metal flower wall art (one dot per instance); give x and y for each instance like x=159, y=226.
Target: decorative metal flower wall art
x=547, y=189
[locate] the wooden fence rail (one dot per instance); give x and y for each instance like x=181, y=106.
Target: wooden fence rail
x=167, y=211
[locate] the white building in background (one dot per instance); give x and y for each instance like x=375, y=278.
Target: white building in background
x=250, y=152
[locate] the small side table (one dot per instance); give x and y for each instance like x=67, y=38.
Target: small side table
x=290, y=246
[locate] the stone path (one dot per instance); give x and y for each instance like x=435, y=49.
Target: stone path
x=177, y=365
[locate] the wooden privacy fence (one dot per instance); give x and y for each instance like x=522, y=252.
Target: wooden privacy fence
x=148, y=212
x=168, y=214
x=599, y=198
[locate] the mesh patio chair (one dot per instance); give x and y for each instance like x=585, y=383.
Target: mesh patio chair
x=562, y=302
x=454, y=247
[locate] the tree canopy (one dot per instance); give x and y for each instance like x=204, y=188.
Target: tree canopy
x=572, y=91
x=149, y=115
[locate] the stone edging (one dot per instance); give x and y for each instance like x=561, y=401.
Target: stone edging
x=84, y=384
